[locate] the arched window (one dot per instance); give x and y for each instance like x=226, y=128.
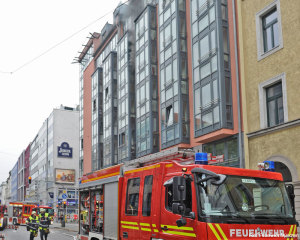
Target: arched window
x=284, y=170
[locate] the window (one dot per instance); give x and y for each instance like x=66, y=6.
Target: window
x=94, y=105
x=132, y=197
x=226, y=147
x=274, y=104
x=106, y=93
x=268, y=29
x=169, y=196
x=169, y=111
x=147, y=195
x=122, y=139
x=273, y=101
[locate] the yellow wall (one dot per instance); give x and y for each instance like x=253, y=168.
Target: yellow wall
x=253, y=72
x=285, y=60
x=283, y=143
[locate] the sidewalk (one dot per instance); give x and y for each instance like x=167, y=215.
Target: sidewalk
x=72, y=227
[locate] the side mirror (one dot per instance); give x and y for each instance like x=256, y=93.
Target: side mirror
x=179, y=189
x=181, y=222
x=178, y=208
x=291, y=194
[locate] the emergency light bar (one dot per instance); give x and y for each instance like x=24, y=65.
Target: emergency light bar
x=201, y=158
x=268, y=166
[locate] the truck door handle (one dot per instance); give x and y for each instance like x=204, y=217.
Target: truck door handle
x=125, y=234
x=165, y=228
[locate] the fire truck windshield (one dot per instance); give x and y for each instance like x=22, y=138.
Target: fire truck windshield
x=245, y=198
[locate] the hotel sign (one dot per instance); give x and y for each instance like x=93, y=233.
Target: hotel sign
x=64, y=150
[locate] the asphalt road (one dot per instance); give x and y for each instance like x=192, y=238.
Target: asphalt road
x=22, y=234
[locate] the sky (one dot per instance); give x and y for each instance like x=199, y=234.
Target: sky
x=38, y=41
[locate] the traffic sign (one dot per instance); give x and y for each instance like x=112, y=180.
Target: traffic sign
x=64, y=196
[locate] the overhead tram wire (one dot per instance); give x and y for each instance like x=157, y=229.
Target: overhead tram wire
x=61, y=42
x=4, y=72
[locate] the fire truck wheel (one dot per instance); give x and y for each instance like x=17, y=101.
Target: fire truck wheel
x=15, y=221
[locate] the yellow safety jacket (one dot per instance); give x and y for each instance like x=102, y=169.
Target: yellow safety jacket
x=44, y=220
x=32, y=220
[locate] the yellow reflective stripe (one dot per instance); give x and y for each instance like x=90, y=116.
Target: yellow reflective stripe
x=293, y=232
x=142, y=169
x=130, y=227
x=98, y=178
x=214, y=231
x=291, y=229
x=145, y=224
x=155, y=230
x=153, y=225
x=146, y=229
x=169, y=165
x=178, y=228
x=221, y=231
x=181, y=233
x=129, y=223
x=295, y=229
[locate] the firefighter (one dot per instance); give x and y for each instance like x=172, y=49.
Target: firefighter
x=44, y=224
x=32, y=225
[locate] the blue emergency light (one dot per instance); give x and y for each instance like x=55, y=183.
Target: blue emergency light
x=201, y=158
x=269, y=166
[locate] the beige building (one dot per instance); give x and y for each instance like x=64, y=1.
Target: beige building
x=269, y=39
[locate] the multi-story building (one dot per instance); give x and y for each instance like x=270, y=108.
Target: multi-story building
x=14, y=182
x=2, y=190
x=54, y=160
x=270, y=73
x=7, y=189
x=174, y=83
x=21, y=169
x=146, y=75
x=26, y=171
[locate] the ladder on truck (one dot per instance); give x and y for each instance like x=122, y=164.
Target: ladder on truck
x=182, y=155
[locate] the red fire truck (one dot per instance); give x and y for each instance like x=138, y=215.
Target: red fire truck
x=3, y=217
x=18, y=212
x=174, y=197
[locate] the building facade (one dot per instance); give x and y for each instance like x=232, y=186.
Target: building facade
x=54, y=160
x=7, y=190
x=168, y=74
x=21, y=167
x=2, y=190
x=14, y=182
x=26, y=170
x=270, y=73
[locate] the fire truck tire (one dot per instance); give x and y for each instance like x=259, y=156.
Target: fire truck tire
x=14, y=221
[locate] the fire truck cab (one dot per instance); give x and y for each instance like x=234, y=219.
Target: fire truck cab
x=178, y=199
x=18, y=212
x=3, y=217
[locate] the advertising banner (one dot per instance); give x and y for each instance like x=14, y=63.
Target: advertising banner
x=65, y=176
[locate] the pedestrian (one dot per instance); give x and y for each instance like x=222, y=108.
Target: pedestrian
x=32, y=225
x=44, y=224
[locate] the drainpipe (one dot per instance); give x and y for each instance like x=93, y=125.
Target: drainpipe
x=240, y=139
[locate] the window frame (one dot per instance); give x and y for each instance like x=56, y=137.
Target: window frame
x=270, y=99
x=146, y=209
x=261, y=54
x=135, y=212
x=270, y=25
x=263, y=99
